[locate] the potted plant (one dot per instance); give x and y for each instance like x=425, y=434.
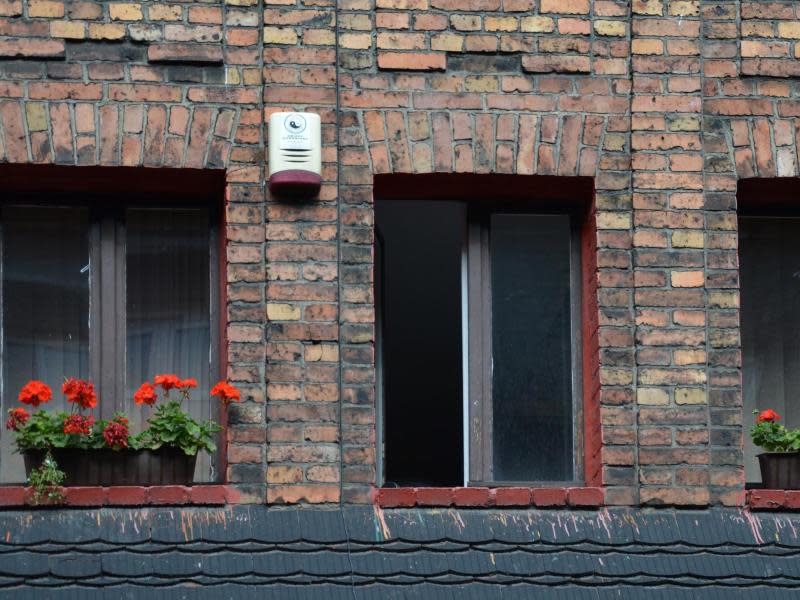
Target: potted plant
x=93, y=451
x=780, y=464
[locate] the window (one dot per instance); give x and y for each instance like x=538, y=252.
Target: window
x=478, y=343
x=108, y=289
x=769, y=268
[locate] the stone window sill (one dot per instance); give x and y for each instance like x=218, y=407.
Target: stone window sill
x=787, y=500
x=162, y=495
x=484, y=497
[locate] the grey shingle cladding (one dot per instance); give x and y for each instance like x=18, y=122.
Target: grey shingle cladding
x=358, y=553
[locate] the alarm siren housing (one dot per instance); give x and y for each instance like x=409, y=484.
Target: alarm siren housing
x=295, y=158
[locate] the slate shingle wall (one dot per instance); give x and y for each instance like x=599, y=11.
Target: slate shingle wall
x=664, y=104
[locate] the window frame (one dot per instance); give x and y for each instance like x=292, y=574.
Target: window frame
x=107, y=225
x=479, y=342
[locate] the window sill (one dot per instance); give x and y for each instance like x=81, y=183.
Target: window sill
x=484, y=497
x=761, y=499
x=162, y=495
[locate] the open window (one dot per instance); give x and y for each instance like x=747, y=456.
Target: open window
x=479, y=338
x=769, y=278
x=112, y=288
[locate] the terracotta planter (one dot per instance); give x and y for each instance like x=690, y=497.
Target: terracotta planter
x=165, y=466
x=780, y=470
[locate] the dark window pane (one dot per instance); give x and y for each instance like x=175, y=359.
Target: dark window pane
x=168, y=302
x=531, y=344
x=769, y=255
x=420, y=248
x=45, y=306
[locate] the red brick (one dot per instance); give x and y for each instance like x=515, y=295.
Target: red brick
x=169, y=494
x=85, y=496
x=12, y=496
x=792, y=500
x=511, y=496
x=432, y=496
x=395, y=497
x=767, y=499
x=549, y=496
x=585, y=496
x=207, y=494
x=411, y=61
x=127, y=496
x=471, y=496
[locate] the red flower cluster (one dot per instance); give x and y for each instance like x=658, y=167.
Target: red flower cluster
x=78, y=424
x=80, y=392
x=167, y=382
x=17, y=417
x=35, y=393
x=185, y=384
x=116, y=433
x=226, y=392
x=146, y=394
x=769, y=416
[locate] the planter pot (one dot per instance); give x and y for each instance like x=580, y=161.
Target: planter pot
x=165, y=466
x=780, y=470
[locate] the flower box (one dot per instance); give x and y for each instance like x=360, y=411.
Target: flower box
x=780, y=470
x=164, y=466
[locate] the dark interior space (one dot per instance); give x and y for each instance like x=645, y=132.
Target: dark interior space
x=419, y=251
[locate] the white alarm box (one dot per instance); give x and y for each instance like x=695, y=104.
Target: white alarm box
x=295, y=154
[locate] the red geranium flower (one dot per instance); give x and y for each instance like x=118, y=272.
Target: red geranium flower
x=146, y=394
x=769, y=416
x=167, y=382
x=78, y=424
x=116, y=433
x=226, y=392
x=17, y=418
x=35, y=393
x=80, y=392
x=185, y=384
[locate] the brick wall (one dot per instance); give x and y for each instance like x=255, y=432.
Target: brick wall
x=665, y=104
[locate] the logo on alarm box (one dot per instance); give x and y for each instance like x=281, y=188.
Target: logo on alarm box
x=295, y=123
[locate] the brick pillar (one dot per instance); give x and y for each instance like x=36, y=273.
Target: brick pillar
x=669, y=254
x=302, y=370
x=720, y=67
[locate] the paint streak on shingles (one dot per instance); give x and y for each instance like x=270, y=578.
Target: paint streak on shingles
x=603, y=519
x=381, y=528
x=633, y=523
x=755, y=526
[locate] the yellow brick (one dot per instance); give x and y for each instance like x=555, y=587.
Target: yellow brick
x=688, y=239
x=321, y=352
x=687, y=278
x=164, y=12
x=723, y=300
x=647, y=47
x=232, y=76
x=447, y=42
x=609, y=376
x=684, y=123
x=71, y=30
x=319, y=37
x=355, y=41
x=283, y=312
x=36, y=116
x=569, y=7
x=125, y=12
x=277, y=35
x=652, y=396
x=500, y=23
x=46, y=8
x=689, y=357
x=466, y=22
x=106, y=32
x=790, y=29
x=648, y=7
x=684, y=8
x=611, y=28
x=690, y=396
x=481, y=83
x=252, y=76
x=615, y=142
x=613, y=220
x=249, y=2
x=537, y=25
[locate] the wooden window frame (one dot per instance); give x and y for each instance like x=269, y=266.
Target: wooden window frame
x=107, y=288
x=479, y=291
